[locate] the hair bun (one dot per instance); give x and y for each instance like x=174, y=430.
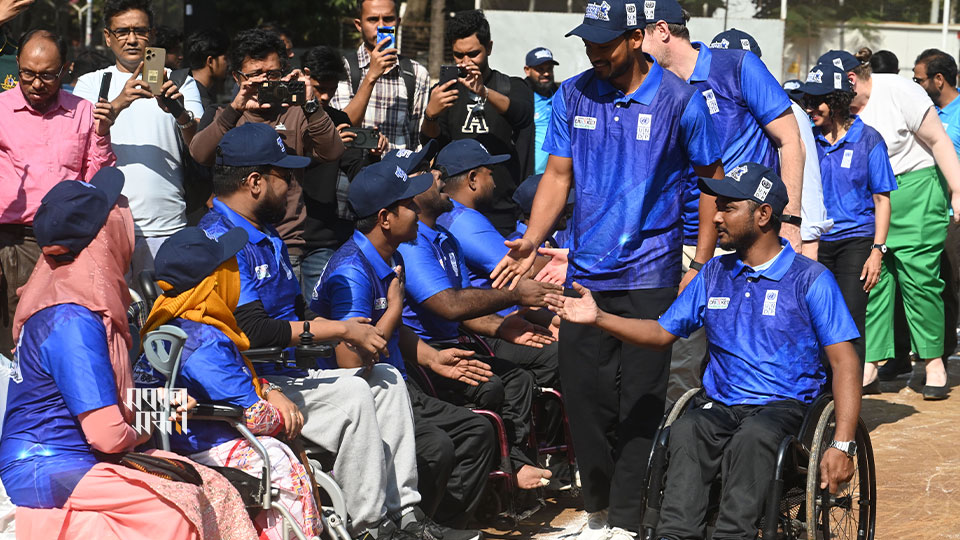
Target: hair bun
x=864, y=55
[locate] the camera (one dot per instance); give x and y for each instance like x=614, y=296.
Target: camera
x=278, y=93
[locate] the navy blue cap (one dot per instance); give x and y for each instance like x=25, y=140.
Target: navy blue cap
x=751, y=181
x=527, y=190
x=255, y=144
x=379, y=185
x=735, y=39
x=606, y=20
x=841, y=59
x=72, y=213
x=668, y=11
x=409, y=160
x=190, y=255
x=540, y=55
x=824, y=79
x=464, y=155
x=792, y=88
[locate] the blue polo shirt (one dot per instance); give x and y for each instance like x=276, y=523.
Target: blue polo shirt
x=629, y=154
x=62, y=370
x=765, y=329
x=265, y=272
x=542, y=111
x=852, y=171
x=435, y=263
x=742, y=97
x=950, y=118
x=481, y=242
x=355, y=284
x=212, y=371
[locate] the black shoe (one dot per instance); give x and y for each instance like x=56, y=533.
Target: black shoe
x=425, y=528
x=387, y=530
x=935, y=393
x=872, y=388
x=893, y=368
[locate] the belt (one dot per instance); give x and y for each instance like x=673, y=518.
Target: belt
x=16, y=228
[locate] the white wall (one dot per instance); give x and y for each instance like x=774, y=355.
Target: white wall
x=514, y=33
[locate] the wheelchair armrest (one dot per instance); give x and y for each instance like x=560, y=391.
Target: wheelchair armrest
x=215, y=411
x=306, y=355
x=266, y=354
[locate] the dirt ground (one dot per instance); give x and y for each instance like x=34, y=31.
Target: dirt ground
x=916, y=446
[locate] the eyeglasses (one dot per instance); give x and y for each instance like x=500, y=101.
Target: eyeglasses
x=286, y=178
x=27, y=76
x=272, y=74
x=139, y=31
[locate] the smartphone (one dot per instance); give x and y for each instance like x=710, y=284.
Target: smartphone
x=282, y=92
x=387, y=32
x=450, y=73
x=153, y=71
x=367, y=138
x=105, y=85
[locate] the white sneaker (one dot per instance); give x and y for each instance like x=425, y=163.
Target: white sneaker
x=596, y=528
x=617, y=533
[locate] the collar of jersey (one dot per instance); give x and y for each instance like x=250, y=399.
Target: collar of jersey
x=254, y=234
x=851, y=136
x=644, y=94
x=701, y=70
x=775, y=271
x=372, y=255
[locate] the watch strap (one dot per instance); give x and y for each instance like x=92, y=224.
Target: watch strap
x=847, y=447
x=694, y=265
x=791, y=219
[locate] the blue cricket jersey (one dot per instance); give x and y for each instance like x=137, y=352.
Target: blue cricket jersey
x=950, y=118
x=629, y=154
x=542, y=111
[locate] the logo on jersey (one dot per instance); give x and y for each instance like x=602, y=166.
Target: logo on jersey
x=718, y=302
x=599, y=12
x=584, y=122
x=453, y=263
x=737, y=172
x=648, y=8
x=763, y=189
x=815, y=76
x=644, y=124
x=631, y=14
x=380, y=304
x=770, y=303
x=475, y=123
x=847, y=159
x=262, y=271
x=711, y=101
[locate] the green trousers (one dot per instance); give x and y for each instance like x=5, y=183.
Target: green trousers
x=918, y=227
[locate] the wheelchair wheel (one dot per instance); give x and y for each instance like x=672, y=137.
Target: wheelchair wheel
x=851, y=512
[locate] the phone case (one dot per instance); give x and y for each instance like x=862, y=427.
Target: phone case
x=153, y=69
x=387, y=32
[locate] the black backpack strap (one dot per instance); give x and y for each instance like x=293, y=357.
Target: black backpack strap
x=179, y=76
x=410, y=79
x=353, y=66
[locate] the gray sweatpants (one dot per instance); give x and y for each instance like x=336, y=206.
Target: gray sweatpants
x=368, y=424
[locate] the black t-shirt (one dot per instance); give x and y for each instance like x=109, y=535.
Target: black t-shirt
x=500, y=134
x=324, y=228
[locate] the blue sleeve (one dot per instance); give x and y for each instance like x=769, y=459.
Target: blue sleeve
x=215, y=372
x=462, y=263
x=686, y=313
x=481, y=242
x=557, y=140
x=763, y=94
x=425, y=276
x=882, y=178
x=248, y=289
x=828, y=312
x=697, y=132
x=347, y=293
x=76, y=356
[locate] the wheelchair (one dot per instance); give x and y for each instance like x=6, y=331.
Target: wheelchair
x=162, y=348
x=796, y=508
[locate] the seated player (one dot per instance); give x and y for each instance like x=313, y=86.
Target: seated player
x=768, y=312
x=523, y=196
x=201, y=287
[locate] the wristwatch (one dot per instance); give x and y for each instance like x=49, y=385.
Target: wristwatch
x=189, y=121
x=847, y=447
x=311, y=106
x=694, y=265
x=792, y=220
x=881, y=247
x=270, y=388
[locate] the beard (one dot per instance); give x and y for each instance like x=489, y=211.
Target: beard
x=739, y=242
x=271, y=210
x=435, y=206
x=544, y=89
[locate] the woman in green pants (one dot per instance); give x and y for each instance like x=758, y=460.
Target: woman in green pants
x=927, y=170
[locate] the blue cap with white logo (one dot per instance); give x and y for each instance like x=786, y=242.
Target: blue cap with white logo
x=255, y=144
x=540, y=55
x=410, y=161
x=824, y=79
x=380, y=185
x=668, y=11
x=464, y=155
x=749, y=181
x=792, y=88
x=841, y=59
x=606, y=20
x=735, y=39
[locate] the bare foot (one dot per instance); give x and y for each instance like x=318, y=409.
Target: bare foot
x=528, y=477
x=936, y=374
x=869, y=373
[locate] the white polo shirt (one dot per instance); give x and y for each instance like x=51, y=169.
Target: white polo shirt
x=896, y=109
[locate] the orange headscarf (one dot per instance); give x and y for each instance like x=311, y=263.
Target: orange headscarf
x=212, y=302
x=95, y=281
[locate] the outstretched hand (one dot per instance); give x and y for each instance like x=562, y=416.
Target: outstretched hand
x=457, y=364
x=515, y=264
x=554, y=271
x=581, y=310
x=520, y=331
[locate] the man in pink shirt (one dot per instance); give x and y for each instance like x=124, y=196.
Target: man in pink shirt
x=46, y=135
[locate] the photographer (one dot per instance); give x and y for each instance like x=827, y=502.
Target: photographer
x=256, y=56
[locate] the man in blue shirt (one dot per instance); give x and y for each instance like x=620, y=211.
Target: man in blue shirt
x=538, y=68
x=768, y=313
x=523, y=196
x=623, y=134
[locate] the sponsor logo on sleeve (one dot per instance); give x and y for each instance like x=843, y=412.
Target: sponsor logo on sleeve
x=718, y=302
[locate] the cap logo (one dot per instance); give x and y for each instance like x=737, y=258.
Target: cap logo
x=403, y=153
x=649, y=6
x=400, y=174
x=745, y=43
x=543, y=53
x=599, y=12
x=837, y=62
x=763, y=189
x=722, y=44
x=631, y=14
x=837, y=80
x=815, y=76
x=792, y=85
x=280, y=144
x=737, y=172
